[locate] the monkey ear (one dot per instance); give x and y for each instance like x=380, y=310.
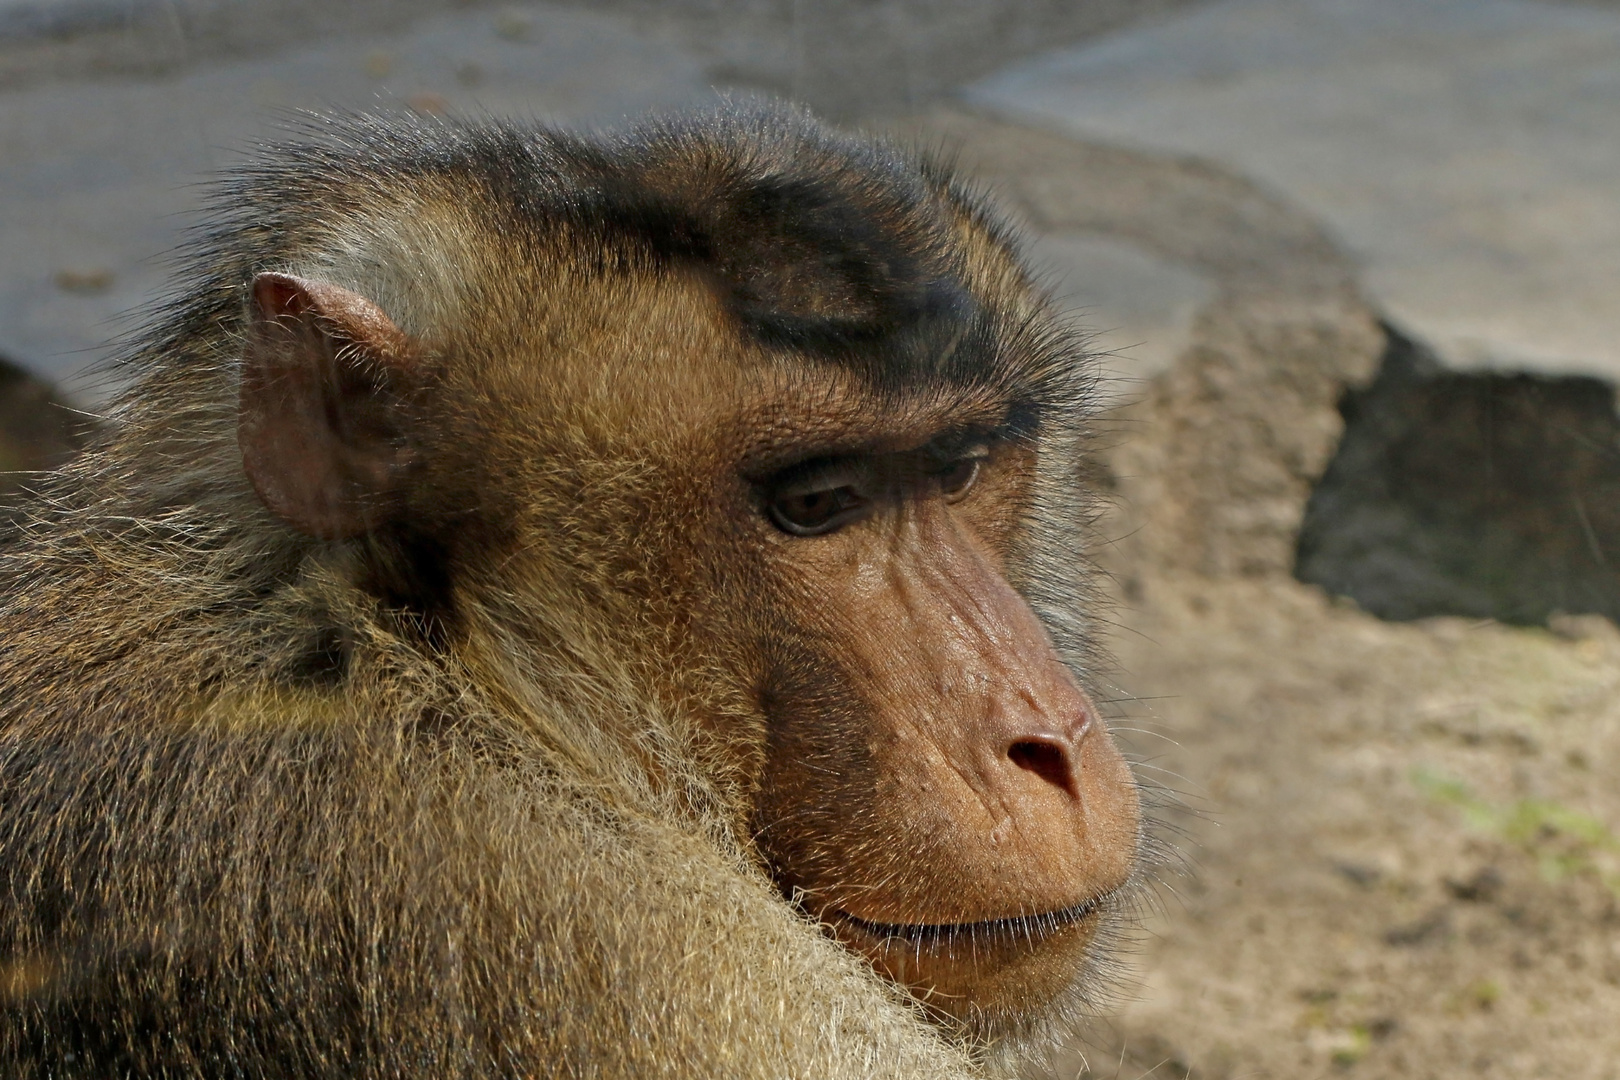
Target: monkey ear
x=321, y=418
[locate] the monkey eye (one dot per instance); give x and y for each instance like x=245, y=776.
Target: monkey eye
x=958, y=476
x=819, y=502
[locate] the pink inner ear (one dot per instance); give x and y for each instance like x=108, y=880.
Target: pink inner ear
x=278, y=295
x=318, y=426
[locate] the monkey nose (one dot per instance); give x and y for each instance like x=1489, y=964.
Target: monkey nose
x=1047, y=759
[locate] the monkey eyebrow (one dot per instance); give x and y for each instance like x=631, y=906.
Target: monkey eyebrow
x=798, y=461
x=957, y=443
x=783, y=445
x=822, y=470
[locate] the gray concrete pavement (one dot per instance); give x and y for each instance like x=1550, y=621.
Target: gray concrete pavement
x=1138, y=305
x=844, y=57
x=98, y=179
x=1466, y=151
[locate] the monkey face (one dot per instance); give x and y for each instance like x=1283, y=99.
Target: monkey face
x=937, y=789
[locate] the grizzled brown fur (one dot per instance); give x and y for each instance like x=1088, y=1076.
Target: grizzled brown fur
x=469, y=791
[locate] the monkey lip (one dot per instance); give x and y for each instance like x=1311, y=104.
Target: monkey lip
x=986, y=973
x=1029, y=929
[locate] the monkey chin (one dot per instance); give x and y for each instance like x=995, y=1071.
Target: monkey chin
x=983, y=978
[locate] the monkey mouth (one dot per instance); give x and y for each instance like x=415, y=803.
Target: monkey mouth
x=981, y=974
x=1026, y=929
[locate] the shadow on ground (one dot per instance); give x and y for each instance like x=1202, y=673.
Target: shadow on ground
x=1457, y=493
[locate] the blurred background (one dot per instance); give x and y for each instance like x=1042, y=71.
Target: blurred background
x=1353, y=272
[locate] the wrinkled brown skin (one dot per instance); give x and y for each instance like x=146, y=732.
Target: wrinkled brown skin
x=976, y=783
x=874, y=713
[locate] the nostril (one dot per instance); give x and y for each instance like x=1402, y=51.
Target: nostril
x=1045, y=759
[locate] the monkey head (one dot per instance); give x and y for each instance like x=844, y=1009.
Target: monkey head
x=788, y=414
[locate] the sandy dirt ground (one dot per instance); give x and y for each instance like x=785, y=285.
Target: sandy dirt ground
x=1398, y=863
